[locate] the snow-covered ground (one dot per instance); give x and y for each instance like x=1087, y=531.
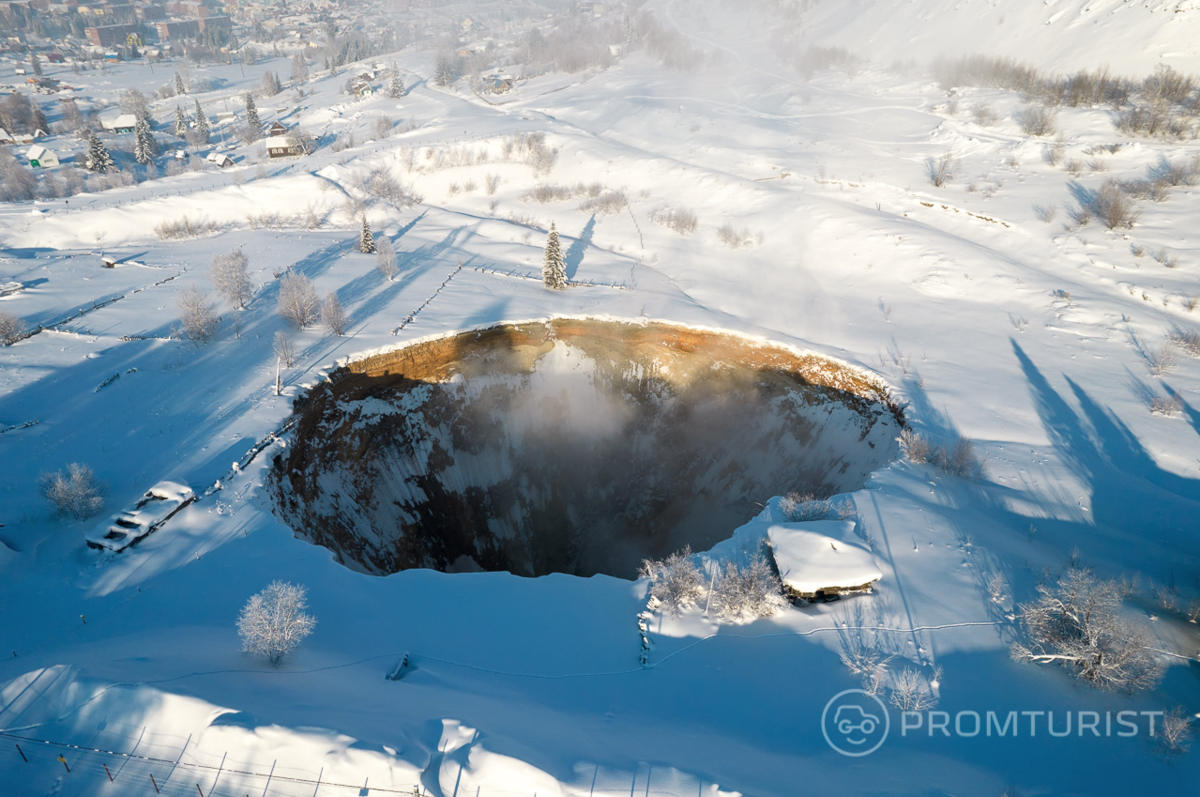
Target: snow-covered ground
x=1030, y=339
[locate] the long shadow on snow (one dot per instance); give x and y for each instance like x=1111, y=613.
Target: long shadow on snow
x=574, y=256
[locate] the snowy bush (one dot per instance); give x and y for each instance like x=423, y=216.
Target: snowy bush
x=385, y=257
x=958, y=459
x=299, y=303
x=1037, y=120
x=744, y=594
x=608, y=203
x=183, y=228
x=941, y=170
x=681, y=220
x=1186, y=340
x=911, y=691
x=915, y=447
x=273, y=622
x=75, y=493
x=333, y=315
x=231, y=278
x=736, y=238
x=198, y=313
x=1112, y=206
x=800, y=508
x=1076, y=624
x=12, y=327
x=675, y=582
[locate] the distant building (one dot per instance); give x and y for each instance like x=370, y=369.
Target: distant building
x=178, y=29
x=282, y=147
x=219, y=158
x=40, y=157
x=109, y=35
x=122, y=124
x=277, y=129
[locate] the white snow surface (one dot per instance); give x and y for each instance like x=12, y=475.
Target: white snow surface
x=815, y=555
x=1034, y=340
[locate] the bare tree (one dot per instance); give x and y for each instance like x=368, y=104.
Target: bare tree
x=198, y=312
x=747, y=593
x=385, y=257
x=910, y=691
x=12, y=327
x=675, y=582
x=301, y=140
x=285, y=349
x=333, y=315
x=273, y=622
x=299, y=303
x=231, y=278
x=75, y=493
x=1075, y=623
x=1176, y=734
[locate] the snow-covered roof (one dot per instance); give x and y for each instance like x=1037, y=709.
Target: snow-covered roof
x=124, y=120
x=4, y=136
x=815, y=556
x=36, y=152
x=278, y=142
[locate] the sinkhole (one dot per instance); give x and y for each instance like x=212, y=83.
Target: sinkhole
x=569, y=446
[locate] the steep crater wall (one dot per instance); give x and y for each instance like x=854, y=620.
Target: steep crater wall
x=569, y=446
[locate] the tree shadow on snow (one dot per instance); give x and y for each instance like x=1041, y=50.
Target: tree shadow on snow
x=574, y=255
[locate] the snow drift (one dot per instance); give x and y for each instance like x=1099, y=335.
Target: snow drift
x=569, y=446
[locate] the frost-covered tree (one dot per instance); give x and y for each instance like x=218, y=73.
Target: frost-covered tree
x=12, y=327
x=742, y=594
x=35, y=64
x=202, y=135
x=198, y=314
x=273, y=622
x=299, y=303
x=270, y=84
x=301, y=140
x=1076, y=623
x=75, y=493
x=97, y=158
x=554, y=269
x=385, y=257
x=17, y=181
x=285, y=348
x=253, y=131
x=445, y=70
x=299, y=68
x=334, y=315
x=134, y=101
x=181, y=126
x=231, y=277
x=366, y=241
x=675, y=582
x=144, y=145
x=179, y=87
x=72, y=118
x=396, y=84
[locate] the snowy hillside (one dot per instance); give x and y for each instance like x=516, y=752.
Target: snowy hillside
x=1026, y=297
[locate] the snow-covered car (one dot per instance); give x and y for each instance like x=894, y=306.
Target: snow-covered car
x=153, y=509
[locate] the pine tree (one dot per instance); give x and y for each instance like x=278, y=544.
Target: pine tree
x=554, y=270
x=396, y=86
x=181, y=127
x=144, y=145
x=270, y=84
x=98, y=159
x=366, y=242
x=202, y=135
x=179, y=84
x=253, y=126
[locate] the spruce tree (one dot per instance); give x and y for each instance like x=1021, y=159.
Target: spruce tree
x=98, y=159
x=366, y=242
x=181, y=127
x=253, y=126
x=179, y=84
x=202, y=135
x=554, y=270
x=144, y=146
x=396, y=86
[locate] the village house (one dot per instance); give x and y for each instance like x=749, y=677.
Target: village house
x=282, y=147
x=122, y=124
x=277, y=129
x=220, y=159
x=40, y=157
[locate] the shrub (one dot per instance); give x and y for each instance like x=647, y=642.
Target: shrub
x=1045, y=213
x=75, y=493
x=681, y=220
x=734, y=237
x=608, y=203
x=1176, y=735
x=1113, y=207
x=1037, y=120
x=915, y=447
x=675, y=582
x=1187, y=340
x=1076, y=624
x=12, y=327
x=299, y=303
x=743, y=594
x=941, y=170
x=800, y=508
x=385, y=257
x=273, y=622
x=984, y=115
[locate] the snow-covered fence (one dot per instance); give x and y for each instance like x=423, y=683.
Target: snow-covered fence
x=409, y=319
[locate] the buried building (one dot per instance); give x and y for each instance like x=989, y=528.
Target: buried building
x=816, y=563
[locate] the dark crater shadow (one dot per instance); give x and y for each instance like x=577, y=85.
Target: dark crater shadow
x=569, y=446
